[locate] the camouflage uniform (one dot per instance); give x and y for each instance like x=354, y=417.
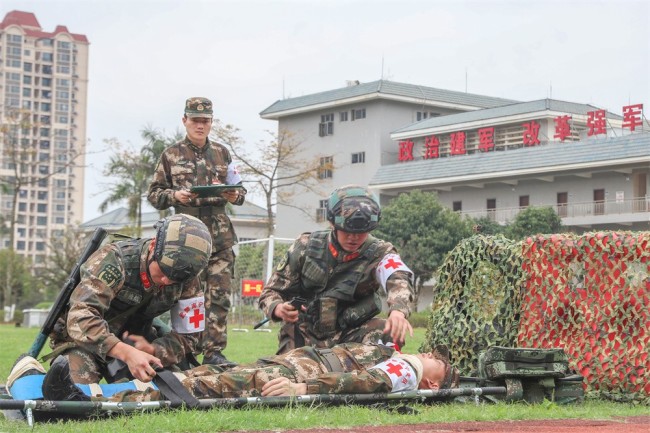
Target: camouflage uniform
x=113, y=296
x=181, y=167
x=341, y=289
x=353, y=363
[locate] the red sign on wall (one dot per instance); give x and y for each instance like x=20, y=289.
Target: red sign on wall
x=251, y=288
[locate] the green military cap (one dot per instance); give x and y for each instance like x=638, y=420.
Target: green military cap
x=198, y=107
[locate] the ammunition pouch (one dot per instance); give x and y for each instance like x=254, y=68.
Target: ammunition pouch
x=360, y=312
x=322, y=316
x=200, y=212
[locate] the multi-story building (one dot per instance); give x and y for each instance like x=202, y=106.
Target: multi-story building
x=484, y=156
x=591, y=166
x=43, y=92
x=348, y=130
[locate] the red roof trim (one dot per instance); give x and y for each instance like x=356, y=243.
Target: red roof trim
x=29, y=24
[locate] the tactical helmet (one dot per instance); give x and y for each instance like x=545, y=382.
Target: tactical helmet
x=353, y=209
x=183, y=246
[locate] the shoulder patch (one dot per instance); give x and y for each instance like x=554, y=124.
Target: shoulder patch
x=282, y=263
x=110, y=275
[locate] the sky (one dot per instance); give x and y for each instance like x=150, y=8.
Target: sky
x=148, y=56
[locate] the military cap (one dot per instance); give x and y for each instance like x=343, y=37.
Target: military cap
x=198, y=107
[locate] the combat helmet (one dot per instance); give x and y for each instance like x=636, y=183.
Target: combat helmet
x=353, y=209
x=183, y=246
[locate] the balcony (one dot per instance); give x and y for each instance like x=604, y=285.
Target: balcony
x=623, y=213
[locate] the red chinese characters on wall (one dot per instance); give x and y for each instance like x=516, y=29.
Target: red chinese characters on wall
x=457, y=143
x=632, y=115
x=431, y=147
x=406, y=150
x=531, y=133
x=486, y=139
x=596, y=122
x=562, y=127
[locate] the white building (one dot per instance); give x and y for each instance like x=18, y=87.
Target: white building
x=43, y=76
x=248, y=219
x=483, y=156
x=349, y=128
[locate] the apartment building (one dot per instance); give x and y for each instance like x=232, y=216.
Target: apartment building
x=348, y=131
x=44, y=84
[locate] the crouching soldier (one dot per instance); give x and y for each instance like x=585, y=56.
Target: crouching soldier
x=351, y=368
x=123, y=287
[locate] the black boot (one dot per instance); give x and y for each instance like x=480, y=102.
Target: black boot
x=59, y=386
x=217, y=358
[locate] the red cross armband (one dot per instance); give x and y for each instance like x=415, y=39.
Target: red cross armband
x=388, y=265
x=402, y=375
x=188, y=315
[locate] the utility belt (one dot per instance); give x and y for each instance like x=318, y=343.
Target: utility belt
x=200, y=212
x=326, y=316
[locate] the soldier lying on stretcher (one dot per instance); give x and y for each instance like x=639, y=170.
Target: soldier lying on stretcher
x=350, y=368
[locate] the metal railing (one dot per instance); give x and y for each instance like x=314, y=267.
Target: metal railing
x=570, y=210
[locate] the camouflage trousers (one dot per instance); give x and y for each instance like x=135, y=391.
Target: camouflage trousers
x=208, y=381
x=84, y=366
x=218, y=283
x=293, y=335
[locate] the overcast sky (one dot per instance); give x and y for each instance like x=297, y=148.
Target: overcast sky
x=147, y=57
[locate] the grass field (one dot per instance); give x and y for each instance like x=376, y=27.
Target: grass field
x=248, y=346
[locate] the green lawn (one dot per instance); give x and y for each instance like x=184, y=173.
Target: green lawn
x=248, y=346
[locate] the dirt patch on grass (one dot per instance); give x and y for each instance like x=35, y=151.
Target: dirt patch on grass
x=637, y=424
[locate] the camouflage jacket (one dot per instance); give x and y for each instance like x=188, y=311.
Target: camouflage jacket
x=335, y=269
x=111, y=298
x=184, y=165
x=356, y=362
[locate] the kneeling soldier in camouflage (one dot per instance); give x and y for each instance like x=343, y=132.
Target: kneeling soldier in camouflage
x=123, y=287
x=351, y=368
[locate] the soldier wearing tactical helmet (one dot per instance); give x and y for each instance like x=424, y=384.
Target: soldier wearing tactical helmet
x=339, y=273
x=123, y=287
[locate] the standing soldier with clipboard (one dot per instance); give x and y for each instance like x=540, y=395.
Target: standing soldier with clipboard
x=197, y=162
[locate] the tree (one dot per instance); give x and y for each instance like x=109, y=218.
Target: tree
x=534, y=220
x=133, y=170
x=278, y=167
x=21, y=286
x=27, y=164
x=488, y=226
x=423, y=231
x=65, y=249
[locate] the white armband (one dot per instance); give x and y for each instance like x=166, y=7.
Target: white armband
x=188, y=315
x=388, y=265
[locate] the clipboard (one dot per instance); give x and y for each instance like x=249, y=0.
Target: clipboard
x=214, y=190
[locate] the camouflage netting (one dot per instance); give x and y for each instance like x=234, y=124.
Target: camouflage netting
x=587, y=294
x=483, y=279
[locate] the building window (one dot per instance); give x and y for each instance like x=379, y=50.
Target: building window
x=524, y=201
x=457, y=206
x=491, y=208
x=343, y=116
x=41, y=207
x=325, y=167
x=359, y=113
x=326, y=125
x=321, y=212
x=41, y=220
x=20, y=245
x=421, y=115
x=359, y=158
